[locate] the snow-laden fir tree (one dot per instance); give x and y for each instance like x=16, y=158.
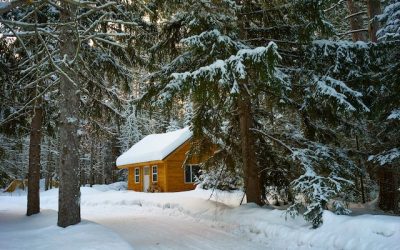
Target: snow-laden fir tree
x=221, y=74
x=219, y=178
x=242, y=64
x=130, y=131
x=385, y=101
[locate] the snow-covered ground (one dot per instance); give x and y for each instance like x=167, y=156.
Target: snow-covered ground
x=114, y=218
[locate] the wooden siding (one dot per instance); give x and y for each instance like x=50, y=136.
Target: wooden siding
x=176, y=172
x=131, y=180
x=171, y=174
x=161, y=177
x=139, y=186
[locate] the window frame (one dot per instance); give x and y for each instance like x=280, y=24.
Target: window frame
x=152, y=173
x=192, y=180
x=136, y=175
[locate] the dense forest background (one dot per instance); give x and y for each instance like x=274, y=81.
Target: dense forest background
x=301, y=98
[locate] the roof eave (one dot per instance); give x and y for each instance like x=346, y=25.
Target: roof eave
x=138, y=164
x=176, y=149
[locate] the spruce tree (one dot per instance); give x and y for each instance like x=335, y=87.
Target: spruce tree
x=85, y=57
x=385, y=102
x=259, y=93
x=221, y=79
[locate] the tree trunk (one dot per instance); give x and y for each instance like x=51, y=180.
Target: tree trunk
x=356, y=22
x=82, y=176
x=115, y=153
x=309, y=128
x=46, y=182
x=389, y=194
x=388, y=176
x=49, y=171
x=374, y=9
x=48, y=168
x=91, y=177
x=108, y=161
x=362, y=172
x=251, y=171
x=33, y=205
x=69, y=190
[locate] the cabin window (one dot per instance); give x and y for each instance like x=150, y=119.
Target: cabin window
x=191, y=172
x=137, y=175
x=155, y=173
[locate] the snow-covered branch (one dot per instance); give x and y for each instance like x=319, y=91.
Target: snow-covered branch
x=10, y=5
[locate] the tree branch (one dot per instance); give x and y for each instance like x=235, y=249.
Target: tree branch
x=12, y=116
x=8, y=6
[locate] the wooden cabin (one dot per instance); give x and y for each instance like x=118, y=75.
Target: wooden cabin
x=155, y=164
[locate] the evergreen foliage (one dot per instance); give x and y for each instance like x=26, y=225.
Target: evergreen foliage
x=275, y=89
x=219, y=59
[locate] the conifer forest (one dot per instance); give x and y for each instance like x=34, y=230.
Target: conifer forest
x=295, y=103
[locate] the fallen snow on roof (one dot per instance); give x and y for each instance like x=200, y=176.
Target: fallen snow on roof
x=154, y=147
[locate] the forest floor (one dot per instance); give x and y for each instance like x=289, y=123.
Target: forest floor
x=114, y=218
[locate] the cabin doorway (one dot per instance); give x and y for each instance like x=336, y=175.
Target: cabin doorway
x=146, y=178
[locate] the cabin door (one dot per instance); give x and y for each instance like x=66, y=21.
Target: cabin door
x=146, y=179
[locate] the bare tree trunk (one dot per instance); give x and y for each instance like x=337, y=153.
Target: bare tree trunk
x=33, y=205
x=251, y=171
x=356, y=22
x=69, y=191
x=374, y=9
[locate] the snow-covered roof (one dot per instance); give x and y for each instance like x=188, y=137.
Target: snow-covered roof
x=154, y=147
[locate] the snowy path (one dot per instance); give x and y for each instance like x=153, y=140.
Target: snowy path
x=120, y=220
x=165, y=232
x=40, y=232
